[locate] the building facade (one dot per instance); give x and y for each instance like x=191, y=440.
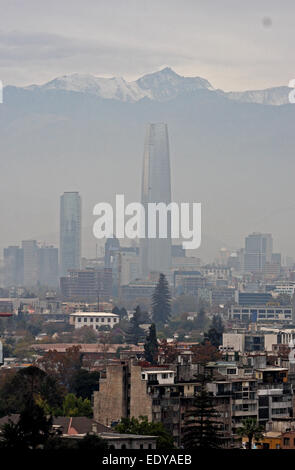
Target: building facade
x=70, y=232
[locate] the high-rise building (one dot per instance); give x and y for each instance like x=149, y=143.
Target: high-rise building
x=258, y=251
x=87, y=285
x=70, y=232
x=31, y=268
x=48, y=266
x=155, y=253
x=30, y=265
x=13, y=266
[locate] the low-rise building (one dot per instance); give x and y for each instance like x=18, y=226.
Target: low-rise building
x=94, y=319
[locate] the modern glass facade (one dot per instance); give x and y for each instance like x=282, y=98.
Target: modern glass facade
x=155, y=253
x=70, y=232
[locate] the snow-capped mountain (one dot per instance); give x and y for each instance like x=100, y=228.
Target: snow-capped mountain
x=167, y=84
x=272, y=96
x=158, y=86
x=161, y=86
x=109, y=88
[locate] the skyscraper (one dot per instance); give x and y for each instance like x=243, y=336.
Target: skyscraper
x=258, y=251
x=155, y=253
x=30, y=251
x=70, y=232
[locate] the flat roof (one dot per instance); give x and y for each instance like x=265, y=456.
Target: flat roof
x=162, y=371
x=93, y=314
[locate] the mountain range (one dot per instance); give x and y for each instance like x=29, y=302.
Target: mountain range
x=231, y=151
x=159, y=86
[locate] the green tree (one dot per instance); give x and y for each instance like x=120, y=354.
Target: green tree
x=31, y=431
x=201, y=319
x=74, y=406
x=151, y=348
x=161, y=301
x=251, y=429
x=84, y=383
x=134, y=333
x=26, y=385
x=200, y=424
x=144, y=427
x=214, y=334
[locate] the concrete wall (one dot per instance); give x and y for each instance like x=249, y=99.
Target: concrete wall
x=110, y=402
x=140, y=401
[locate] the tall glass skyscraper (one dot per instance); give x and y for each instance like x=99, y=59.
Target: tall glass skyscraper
x=155, y=254
x=70, y=232
x=258, y=252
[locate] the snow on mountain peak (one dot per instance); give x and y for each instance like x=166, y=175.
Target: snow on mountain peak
x=162, y=85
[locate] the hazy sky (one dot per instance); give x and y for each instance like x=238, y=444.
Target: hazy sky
x=234, y=44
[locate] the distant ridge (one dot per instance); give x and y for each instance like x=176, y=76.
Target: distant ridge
x=160, y=86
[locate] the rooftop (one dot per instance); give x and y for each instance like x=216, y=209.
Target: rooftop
x=94, y=314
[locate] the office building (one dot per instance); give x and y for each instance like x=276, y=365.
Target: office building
x=70, y=232
x=155, y=253
x=258, y=252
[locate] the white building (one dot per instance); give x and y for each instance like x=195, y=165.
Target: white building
x=163, y=377
x=94, y=319
x=285, y=289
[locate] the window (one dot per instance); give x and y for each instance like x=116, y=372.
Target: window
x=109, y=320
x=286, y=441
x=102, y=320
x=79, y=320
x=96, y=320
x=164, y=376
x=85, y=320
x=91, y=319
x=231, y=371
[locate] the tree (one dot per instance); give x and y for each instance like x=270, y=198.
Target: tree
x=74, y=406
x=161, y=302
x=200, y=424
x=144, y=427
x=62, y=366
x=205, y=352
x=201, y=319
x=86, y=335
x=251, y=429
x=122, y=312
x=134, y=333
x=168, y=351
x=85, y=383
x=26, y=385
x=31, y=431
x=151, y=345
x=214, y=335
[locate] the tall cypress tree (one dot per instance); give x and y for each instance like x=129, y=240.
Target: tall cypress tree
x=161, y=301
x=214, y=334
x=151, y=345
x=200, y=424
x=134, y=333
